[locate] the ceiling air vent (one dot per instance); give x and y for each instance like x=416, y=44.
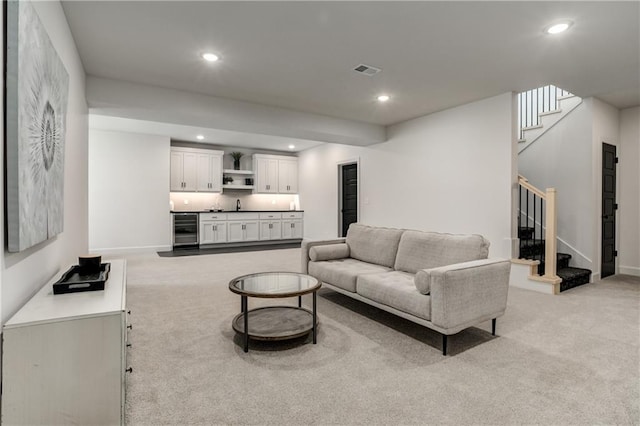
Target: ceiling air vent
x=367, y=70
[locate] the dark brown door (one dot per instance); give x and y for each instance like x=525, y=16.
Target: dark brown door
x=609, y=206
x=349, y=196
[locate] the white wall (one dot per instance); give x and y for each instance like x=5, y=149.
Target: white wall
x=629, y=192
x=448, y=172
x=24, y=273
x=128, y=192
x=562, y=158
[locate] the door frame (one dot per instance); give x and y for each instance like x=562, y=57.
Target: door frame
x=339, y=166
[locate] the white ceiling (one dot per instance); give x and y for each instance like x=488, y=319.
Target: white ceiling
x=300, y=55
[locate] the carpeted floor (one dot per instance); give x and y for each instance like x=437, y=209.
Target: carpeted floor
x=567, y=359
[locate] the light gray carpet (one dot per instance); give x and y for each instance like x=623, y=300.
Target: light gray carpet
x=567, y=359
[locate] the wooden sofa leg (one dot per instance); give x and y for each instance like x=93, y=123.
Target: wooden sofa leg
x=444, y=344
x=493, y=326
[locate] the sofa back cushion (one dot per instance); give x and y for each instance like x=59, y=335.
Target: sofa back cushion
x=422, y=250
x=372, y=244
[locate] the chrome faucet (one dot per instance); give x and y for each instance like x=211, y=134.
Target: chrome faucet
x=238, y=204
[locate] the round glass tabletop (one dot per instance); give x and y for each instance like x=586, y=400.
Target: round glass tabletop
x=274, y=284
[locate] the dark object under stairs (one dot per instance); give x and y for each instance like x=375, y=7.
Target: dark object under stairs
x=533, y=249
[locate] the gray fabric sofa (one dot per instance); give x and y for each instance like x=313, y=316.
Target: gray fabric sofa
x=442, y=281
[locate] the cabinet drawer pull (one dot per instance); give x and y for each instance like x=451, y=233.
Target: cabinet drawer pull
x=129, y=370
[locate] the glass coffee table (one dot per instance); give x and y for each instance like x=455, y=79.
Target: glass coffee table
x=275, y=322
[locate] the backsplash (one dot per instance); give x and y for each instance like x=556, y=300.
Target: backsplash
x=227, y=201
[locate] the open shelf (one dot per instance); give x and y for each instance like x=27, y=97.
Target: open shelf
x=237, y=172
x=236, y=187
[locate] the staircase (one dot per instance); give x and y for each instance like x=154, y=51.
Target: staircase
x=540, y=109
x=533, y=249
x=543, y=269
x=537, y=220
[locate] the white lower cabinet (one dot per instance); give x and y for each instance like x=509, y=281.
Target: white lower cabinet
x=292, y=228
x=270, y=230
x=270, y=226
x=243, y=227
x=64, y=356
x=213, y=228
x=213, y=232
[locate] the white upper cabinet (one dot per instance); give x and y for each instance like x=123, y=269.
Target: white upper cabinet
x=266, y=175
x=288, y=176
x=209, y=172
x=183, y=170
x=196, y=170
x=276, y=174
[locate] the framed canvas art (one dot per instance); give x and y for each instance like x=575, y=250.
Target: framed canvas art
x=36, y=91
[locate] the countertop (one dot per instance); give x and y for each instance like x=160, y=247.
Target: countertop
x=235, y=211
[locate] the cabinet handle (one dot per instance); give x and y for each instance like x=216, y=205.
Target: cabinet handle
x=129, y=370
x=130, y=326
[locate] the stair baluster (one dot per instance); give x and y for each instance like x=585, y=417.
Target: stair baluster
x=536, y=233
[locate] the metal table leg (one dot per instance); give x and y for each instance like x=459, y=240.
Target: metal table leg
x=299, y=301
x=314, y=319
x=245, y=310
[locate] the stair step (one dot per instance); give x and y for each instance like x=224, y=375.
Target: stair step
x=573, y=277
x=530, y=249
x=525, y=232
x=562, y=261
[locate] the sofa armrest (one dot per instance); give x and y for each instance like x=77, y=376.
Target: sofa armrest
x=306, y=246
x=466, y=293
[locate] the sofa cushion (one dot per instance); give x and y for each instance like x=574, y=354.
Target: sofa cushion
x=329, y=252
x=343, y=272
x=423, y=250
x=395, y=289
x=373, y=244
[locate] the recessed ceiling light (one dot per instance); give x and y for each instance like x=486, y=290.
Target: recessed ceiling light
x=292, y=146
x=383, y=98
x=558, y=27
x=200, y=137
x=211, y=57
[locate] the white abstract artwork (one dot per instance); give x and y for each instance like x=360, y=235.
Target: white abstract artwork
x=37, y=87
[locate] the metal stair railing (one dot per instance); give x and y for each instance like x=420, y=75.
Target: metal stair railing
x=532, y=103
x=537, y=211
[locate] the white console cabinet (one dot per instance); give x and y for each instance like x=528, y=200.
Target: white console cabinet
x=64, y=356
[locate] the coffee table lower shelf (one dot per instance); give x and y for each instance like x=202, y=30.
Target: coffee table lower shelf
x=276, y=322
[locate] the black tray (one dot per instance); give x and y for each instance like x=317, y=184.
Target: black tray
x=77, y=279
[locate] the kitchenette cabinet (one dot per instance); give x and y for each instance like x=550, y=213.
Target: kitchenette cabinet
x=288, y=176
x=183, y=170
x=266, y=169
x=196, y=170
x=292, y=225
x=213, y=228
x=209, y=171
x=270, y=226
x=243, y=227
x=276, y=174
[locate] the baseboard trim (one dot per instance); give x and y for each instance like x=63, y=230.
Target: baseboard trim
x=130, y=250
x=630, y=270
